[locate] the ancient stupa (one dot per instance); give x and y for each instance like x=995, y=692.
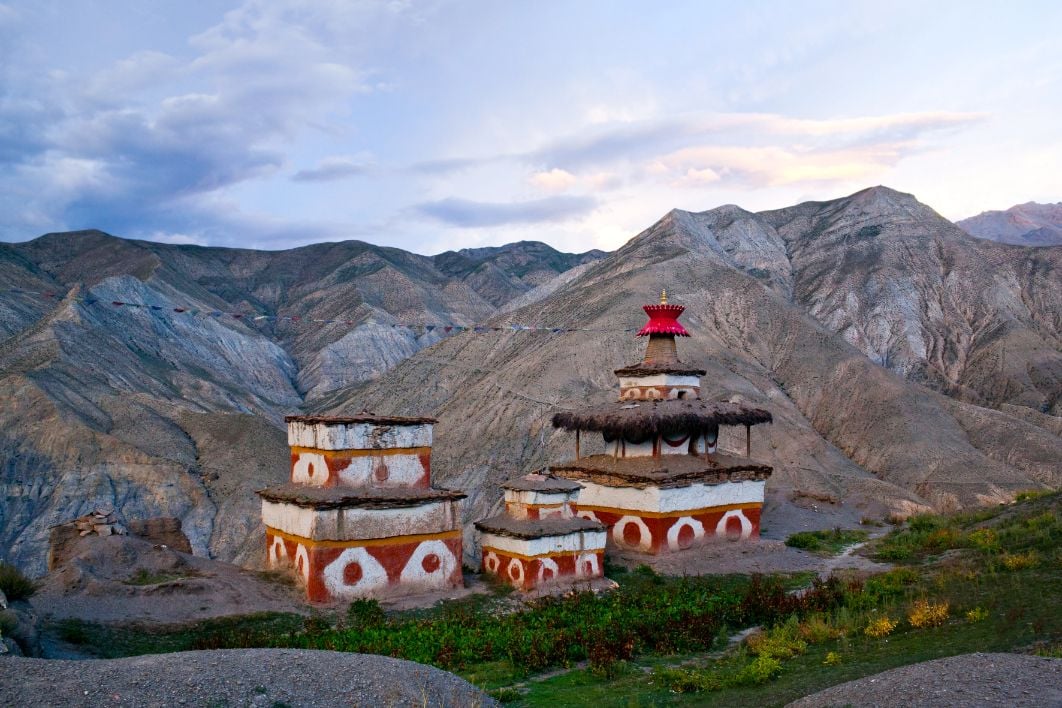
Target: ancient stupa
x=663, y=485
x=539, y=540
x=359, y=516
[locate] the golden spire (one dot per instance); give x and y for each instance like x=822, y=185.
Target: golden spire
x=663, y=297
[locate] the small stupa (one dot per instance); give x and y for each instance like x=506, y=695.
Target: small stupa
x=539, y=540
x=359, y=516
x=663, y=484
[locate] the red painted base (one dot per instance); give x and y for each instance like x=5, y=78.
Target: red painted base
x=666, y=534
x=381, y=569
x=530, y=573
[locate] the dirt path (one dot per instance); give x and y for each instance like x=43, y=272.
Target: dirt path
x=746, y=557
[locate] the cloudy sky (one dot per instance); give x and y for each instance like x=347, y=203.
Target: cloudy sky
x=437, y=125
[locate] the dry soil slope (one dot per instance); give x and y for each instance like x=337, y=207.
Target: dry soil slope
x=844, y=426
x=105, y=407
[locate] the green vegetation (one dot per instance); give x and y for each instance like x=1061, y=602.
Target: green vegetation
x=965, y=594
x=113, y=641
x=828, y=543
x=14, y=584
x=982, y=581
x=145, y=577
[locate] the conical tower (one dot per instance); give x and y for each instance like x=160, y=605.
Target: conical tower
x=660, y=375
x=663, y=484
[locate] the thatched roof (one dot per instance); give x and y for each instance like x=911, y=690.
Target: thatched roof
x=639, y=420
x=646, y=370
x=359, y=418
x=505, y=525
x=663, y=471
x=361, y=498
x=542, y=483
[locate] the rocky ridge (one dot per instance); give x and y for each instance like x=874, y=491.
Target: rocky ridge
x=907, y=364
x=1028, y=224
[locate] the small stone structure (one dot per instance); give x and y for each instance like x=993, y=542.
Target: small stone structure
x=359, y=517
x=539, y=540
x=664, y=485
x=62, y=538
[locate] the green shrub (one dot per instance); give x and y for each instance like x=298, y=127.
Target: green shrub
x=506, y=695
x=984, y=539
x=1031, y=494
x=74, y=631
x=687, y=680
x=15, y=585
x=365, y=613
x=729, y=673
x=760, y=670
x=926, y=522
x=825, y=541
x=781, y=642
x=8, y=622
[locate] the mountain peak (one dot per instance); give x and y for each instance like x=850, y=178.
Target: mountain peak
x=1028, y=224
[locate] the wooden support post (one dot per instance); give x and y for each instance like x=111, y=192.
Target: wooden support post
x=748, y=441
x=577, y=444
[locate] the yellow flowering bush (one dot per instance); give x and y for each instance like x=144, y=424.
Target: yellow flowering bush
x=976, y=614
x=985, y=539
x=881, y=627
x=1020, y=561
x=928, y=614
x=832, y=659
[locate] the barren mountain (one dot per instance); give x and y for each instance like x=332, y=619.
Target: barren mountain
x=846, y=428
x=978, y=320
x=502, y=273
x=1028, y=224
x=907, y=364
x=163, y=413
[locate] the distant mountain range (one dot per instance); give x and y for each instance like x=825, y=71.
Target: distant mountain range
x=908, y=365
x=1028, y=224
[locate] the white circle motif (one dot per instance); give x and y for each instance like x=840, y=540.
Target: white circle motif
x=746, y=525
x=676, y=528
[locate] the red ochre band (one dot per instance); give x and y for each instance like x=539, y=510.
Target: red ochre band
x=525, y=573
x=338, y=460
x=394, y=555
x=665, y=533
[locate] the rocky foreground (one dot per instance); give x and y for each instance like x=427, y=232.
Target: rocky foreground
x=967, y=680
x=234, y=677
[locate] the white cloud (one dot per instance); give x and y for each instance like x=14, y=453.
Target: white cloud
x=555, y=180
x=333, y=168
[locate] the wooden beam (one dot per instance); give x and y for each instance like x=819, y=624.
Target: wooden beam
x=748, y=441
x=577, y=455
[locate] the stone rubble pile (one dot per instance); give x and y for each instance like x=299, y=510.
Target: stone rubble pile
x=101, y=523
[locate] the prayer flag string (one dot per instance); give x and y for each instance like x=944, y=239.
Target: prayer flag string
x=446, y=327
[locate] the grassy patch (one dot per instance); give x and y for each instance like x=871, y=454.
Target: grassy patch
x=145, y=577
x=981, y=581
x=112, y=641
x=828, y=543
x=15, y=585
x=966, y=595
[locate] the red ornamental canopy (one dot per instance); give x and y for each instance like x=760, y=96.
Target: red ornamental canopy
x=663, y=319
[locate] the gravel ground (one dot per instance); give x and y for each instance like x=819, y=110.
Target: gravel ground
x=966, y=680
x=752, y=556
x=234, y=677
